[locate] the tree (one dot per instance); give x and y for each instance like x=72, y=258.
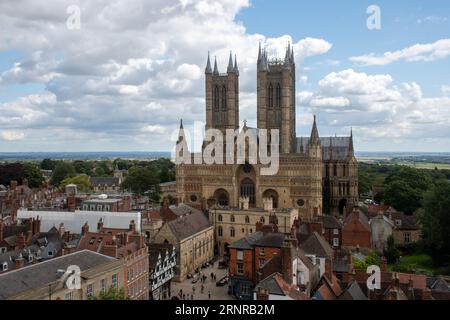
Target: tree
x=391, y=252
x=142, y=181
x=61, y=171
x=111, y=294
x=434, y=219
x=402, y=196
x=11, y=171
x=82, y=181
x=33, y=174
x=48, y=164
x=83, y=167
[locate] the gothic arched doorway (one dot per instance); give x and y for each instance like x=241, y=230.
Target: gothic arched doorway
x=222, y=197
x=270, y=193
x=248, y=190
x=342, y=206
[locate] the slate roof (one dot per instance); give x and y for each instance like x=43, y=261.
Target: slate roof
x=317, y=245
x=100, y=181
x=40, y=274
x=183, y=209
x=330, y=222
x=339, y=150
x=276, y=285
x=353, y=292
x=340, y=264
x=274, y=240
x=186, y=226
x=408, y=222
x=438, y=283
x=248, y=241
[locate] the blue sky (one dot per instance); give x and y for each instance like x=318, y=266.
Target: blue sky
x=123, y=80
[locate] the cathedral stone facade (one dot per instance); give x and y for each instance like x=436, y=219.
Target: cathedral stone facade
x=316, y=174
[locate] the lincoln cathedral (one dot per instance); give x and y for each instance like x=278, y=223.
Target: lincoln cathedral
x=317, y=175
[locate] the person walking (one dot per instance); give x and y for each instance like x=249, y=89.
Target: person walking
x=202, y=288
x=209, y=295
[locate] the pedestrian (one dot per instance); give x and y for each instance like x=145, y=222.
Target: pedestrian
x=193, y=289
x=209, y=295
x=202, y=288
x=212, y=276
x=184, y=296
x=192, y=296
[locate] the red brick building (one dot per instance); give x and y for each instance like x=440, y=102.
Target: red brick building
x=356, y=230
x=125, y=244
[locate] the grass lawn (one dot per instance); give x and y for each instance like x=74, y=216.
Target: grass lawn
x=422, y=264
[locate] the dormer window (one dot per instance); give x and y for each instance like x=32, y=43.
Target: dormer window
x=30, y=258
x=5, y=266
x=398, y=222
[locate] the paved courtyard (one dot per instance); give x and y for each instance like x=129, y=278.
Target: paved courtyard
x=217, y=293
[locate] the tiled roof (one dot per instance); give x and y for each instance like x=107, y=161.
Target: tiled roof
x=317, y=245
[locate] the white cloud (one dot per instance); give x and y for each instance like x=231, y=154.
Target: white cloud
x=384, y=114
x=445, y=89
x=134, y=68
x=418, y=52
x=12, y=135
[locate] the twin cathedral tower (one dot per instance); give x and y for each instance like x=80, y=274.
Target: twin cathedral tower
x=316, y=174
x=275, y=96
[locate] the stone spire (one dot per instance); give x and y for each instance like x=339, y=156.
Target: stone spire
x=235, y=69
x=314, y=139
x=230, y=63
x=180, y=132
x=301, y=144
x=208, y=66
x=263, y=63
x=350, y=144
x=216, y=70
x=259, y=52
x=331, y=148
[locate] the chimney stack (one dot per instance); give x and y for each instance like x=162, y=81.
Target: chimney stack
x=133, y=226
x=21, y=241
x=19, y=262
x=383, y=264
x=84, y=228
x=328, y=269
x=100, y=224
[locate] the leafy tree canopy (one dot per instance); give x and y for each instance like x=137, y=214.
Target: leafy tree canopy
x=82, y=181
x=62, y=171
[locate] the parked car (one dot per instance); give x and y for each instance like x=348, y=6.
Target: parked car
x=222, y=282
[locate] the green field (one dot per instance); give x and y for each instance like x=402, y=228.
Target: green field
x=425, y=165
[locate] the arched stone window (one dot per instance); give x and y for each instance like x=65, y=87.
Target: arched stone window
x=278, y=96
x=224, y=98
x=247, y=219
x=219, y=217
x=262, y=220
x=270, y=96
x=219, y=231
x=232, y=232
x=216, y=98
x=232, y=219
